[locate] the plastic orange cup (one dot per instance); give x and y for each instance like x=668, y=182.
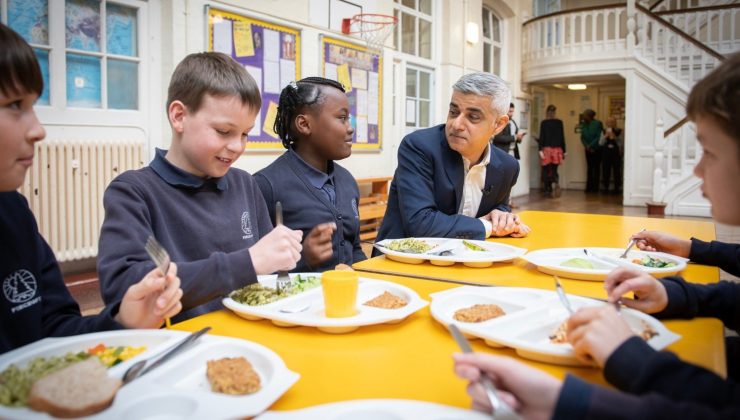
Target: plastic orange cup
x=340, y=293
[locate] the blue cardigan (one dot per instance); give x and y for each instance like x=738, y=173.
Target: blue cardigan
x=35, y=302
x=428, y=186
x=305, y=206
x=658, y=384
x=206, y=225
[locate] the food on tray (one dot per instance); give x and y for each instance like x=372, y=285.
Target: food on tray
x=410, y=245
x=647, y=332
x=233, y=376
x=653, y=262
x=577, y=263
x=344, y=267
x=387, y=301
x=560, y=335
x=15, y=383
x=478, y=313
x=256, y=294
x=473, y=247
x=80, y=389
x=111, y=356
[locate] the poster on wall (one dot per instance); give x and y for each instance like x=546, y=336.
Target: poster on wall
x=361, y=73
x=616, y=107
x=271, y=54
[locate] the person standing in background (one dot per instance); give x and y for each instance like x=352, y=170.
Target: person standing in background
x=612, y=145
x=591, y=129
x=552, y=151
x=509, y=138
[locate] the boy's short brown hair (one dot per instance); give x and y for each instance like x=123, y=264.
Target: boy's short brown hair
x=211, y=73
x=717, y=95
x=19, y=68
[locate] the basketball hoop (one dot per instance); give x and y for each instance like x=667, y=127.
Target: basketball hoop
x=372, y=27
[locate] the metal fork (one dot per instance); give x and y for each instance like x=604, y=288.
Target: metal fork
x=158, y=254
x=161, y=259
x=499, y=408
x=561, y=294
x=630, y=245
x=283, y=280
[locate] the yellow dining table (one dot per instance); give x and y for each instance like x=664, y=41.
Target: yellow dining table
x=556, y=230
x=412, y=359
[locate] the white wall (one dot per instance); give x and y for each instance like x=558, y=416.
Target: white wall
x=646, y=102
x=188, y=20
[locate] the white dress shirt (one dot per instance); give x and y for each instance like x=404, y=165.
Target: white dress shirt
x=475, y=181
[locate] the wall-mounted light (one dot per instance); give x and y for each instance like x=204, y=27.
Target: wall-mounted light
x=471, y=33
x=576, y=86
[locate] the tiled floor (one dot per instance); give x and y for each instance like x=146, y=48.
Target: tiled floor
x=85, y=289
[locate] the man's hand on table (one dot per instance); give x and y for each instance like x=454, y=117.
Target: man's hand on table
x=505, y=224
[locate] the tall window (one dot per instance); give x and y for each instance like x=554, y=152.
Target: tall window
x=413, y=33
x=491, y=42
x=93, y=44
x=418, y=98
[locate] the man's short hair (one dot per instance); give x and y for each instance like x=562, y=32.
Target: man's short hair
x=717, y=95
x=215, y=74
x=589, y=112
x=486, y=84
x=551, y=108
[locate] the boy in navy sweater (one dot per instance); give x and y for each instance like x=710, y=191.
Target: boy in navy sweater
x=210, y=217
x=35, y=302
x=318, y=196
x=657, y=384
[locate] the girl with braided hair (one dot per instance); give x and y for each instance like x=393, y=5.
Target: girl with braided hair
x=318, y=196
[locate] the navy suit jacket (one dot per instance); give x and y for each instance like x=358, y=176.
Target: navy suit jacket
x=428, y=186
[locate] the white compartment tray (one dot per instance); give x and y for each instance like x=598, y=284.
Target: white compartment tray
x=314, y=315
x=531, y=316
x=179, y=388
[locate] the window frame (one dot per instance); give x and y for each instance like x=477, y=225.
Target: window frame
x=58, y=112
x=417, y=98
x=491, y=44
x=398, y=10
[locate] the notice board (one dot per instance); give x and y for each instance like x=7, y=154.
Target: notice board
x=271, y=53
x=361, y=72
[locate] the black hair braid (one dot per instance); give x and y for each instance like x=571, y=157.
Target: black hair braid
x=305, y=93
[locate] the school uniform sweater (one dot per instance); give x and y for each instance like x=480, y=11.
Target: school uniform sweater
x=35, y=302
x=310, y=197
x=658, y=384
x=206, y=225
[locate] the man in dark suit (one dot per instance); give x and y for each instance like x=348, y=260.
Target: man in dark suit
x=509, y=138
x=449, y=181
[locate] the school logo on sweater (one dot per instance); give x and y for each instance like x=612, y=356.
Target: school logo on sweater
x=20, y=287
x=246, y=225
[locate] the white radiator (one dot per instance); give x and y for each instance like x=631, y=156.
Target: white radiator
x=65, y=186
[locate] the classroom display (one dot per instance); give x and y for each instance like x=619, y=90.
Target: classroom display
x=361, y=73
x=270, y=53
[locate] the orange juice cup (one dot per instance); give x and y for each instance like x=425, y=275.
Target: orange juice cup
x=340, y=293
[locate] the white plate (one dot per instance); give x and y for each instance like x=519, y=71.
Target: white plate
x=531, y=316
x=495, y=252
x=549, y=260
x=377, y=410
x=314, y=316
x=179, y=388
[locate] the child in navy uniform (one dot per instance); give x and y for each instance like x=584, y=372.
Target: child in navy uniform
x=318, y=196
x=35, y=302
x=656, y=385
x=210, y=217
